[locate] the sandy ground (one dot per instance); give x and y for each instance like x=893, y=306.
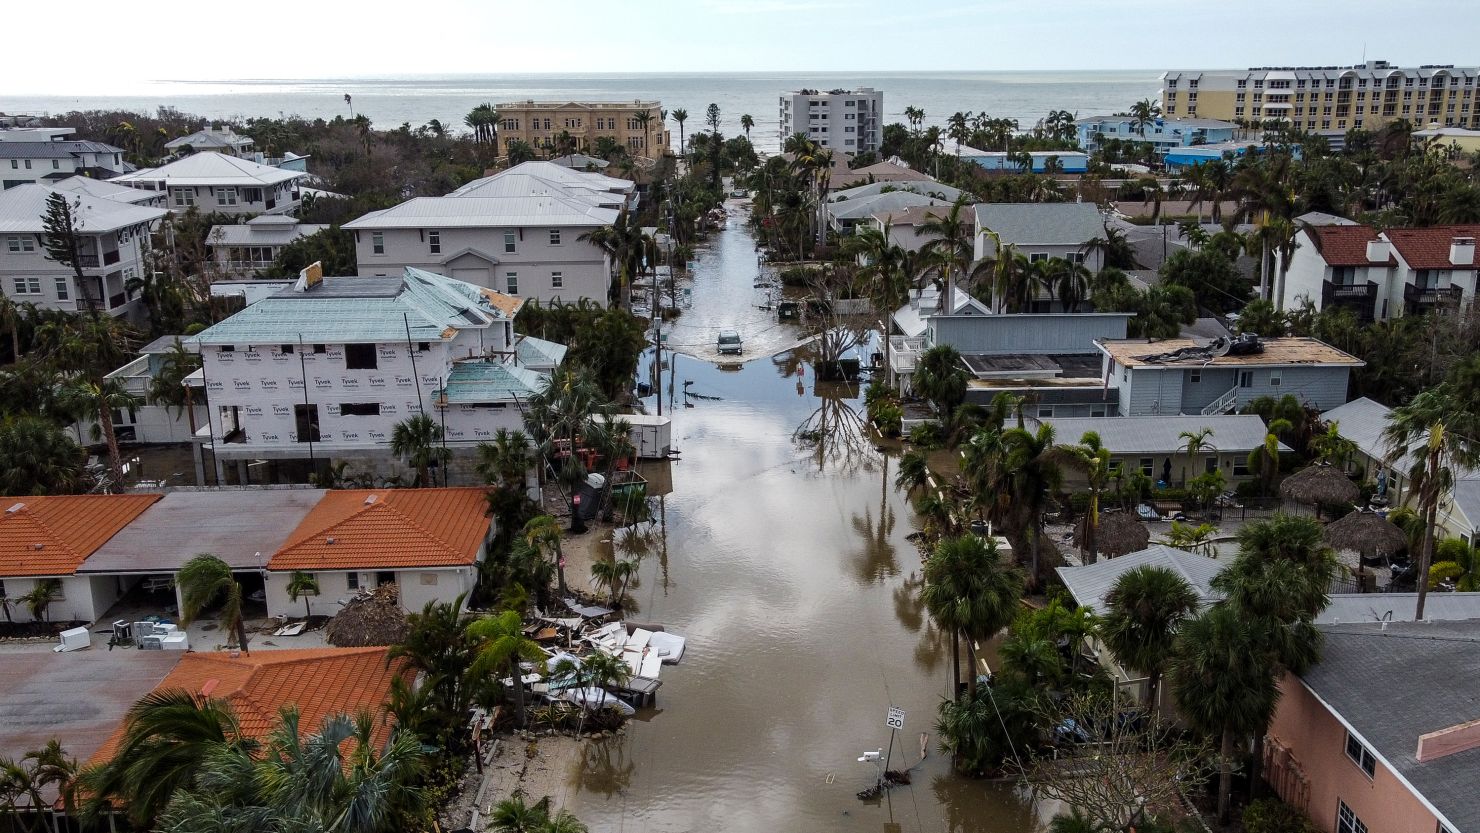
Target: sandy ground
x=539, y=767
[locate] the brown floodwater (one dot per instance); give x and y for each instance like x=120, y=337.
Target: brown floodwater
x=785, y=563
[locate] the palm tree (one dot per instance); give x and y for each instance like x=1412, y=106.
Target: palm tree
x=1143, y=611
x=418, y=440
x=513, y=815
x=1265, y=460
x=1222, y=684
x=501, y=646
x=970, y=593
x=10, y=321
x=615, y=575
x=38, y=600
x=204, y=581
x=305, y=585
x=940, y=378
x=680, y=115
x=91, y=347
x=101, y=397
x=168, y=736
x=951, y=248
x=1194, y=443
x=914, y=471
x=1033, y=463
x=746, y=123
x=887, y=266
x=1093, y=458
x=543, y=532
x=38, y=458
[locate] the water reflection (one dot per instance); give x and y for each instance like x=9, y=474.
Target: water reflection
x=605, y=768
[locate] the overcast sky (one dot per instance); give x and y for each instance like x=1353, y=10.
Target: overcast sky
x=98, y=48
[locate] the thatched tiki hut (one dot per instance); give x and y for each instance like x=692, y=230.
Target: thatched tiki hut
x=1319, y=485
x=1118, y=533
x=1367, y=534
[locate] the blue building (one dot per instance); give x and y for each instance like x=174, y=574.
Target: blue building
x=1163, y=134
x=1069, y=161
x=1191, y=157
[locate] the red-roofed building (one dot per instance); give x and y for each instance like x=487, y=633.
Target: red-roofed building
x=1381, y=275
x=427, y=541
x=47, y=538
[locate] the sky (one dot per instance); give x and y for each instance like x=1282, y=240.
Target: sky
x=107, y=47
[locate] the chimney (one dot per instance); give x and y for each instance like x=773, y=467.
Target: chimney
x=1378, y=251
x=1458, y=738
x=1462, y=251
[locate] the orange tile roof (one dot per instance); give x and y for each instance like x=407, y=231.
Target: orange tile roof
x=1428, y=248
x=318, y=681
x=52, y=535
x=381, y=529
x=1345, y=245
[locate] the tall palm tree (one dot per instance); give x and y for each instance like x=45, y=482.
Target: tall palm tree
x=1194, y=444
x=1034, y=464
x=101, y=398
x=543, y=532
x=940, y=378
x=304, y=585
x=1093, y=458
x=204, y=581
x=680, y=115
x=417, y=440
x=971, y=593
x=887, y=267
x=746, y=123
x=1144, y=609
x=91, y=347
x=500, y=646
x=951, y=247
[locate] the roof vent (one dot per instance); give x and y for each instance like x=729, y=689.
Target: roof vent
x=329, y=540
x=14, y=509
x=38, y=547
x=370, y=499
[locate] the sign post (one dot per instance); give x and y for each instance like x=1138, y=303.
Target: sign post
x=895, y=721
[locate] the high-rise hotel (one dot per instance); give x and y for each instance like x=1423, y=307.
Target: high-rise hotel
x=1327, y=99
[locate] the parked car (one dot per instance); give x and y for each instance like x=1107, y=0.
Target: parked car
x=729, y=342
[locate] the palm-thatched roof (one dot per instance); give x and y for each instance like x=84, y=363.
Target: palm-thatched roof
x=1118, y=533
x=373, y=618
x=1367, y=533
x=1319, y=485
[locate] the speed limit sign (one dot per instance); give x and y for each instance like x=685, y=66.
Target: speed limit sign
x=895, y=720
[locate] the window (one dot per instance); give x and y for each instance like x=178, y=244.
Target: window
x=352, y=581
x=1097, y=410
x=509, y=242
x=434, y=242
x=512, y=281
x=1361, y=755
x=423, y=346
x=1240, y=466
x=28, y=286
x=64, y=288
x=56, y=165
x=359, y=409
x=554, y=237
x=319, y=348
x=557, y=280
x=21, y=243
x=251, y=195
x=377, y=242
x=226, y=348
x=184, y=197
x=1148, y=465
x=1045, y=410
x=1037, y=256
x=1246, y=378
x=285, y=349
x=1274, y=378
x=226, y=196
x=1194, y=378
x=1347, y=821
x=359, y=357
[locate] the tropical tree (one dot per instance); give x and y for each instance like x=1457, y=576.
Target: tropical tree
x=1265, y=460
x=38, y=458
x=103, y=398
x=940, y=377
x=543, y=532
x=38, y=600
x=972, y=594
x=951, y=248
x=418, y=440
x=206, y=580
x=1144, y=609
x=1093, y=458
x=514, y=815
x=25, y=783
x=746, y=123
x=304, y=585
x=89, y=349
x=614, y=575
x=1194, y=445
x=680, y=115
x=500, y=645
x=1035, y=474
x=1185, y=536
x=914, y=471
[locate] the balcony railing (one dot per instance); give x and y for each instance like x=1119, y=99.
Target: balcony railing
x=1432, y=294
x=118, y=300
x=88, y=261
x=110, y=258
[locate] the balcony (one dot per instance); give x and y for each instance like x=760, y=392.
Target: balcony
x=1360, y=298
x=110, y=258
x=118, y=300
x=1431, y=295
x=88, y=261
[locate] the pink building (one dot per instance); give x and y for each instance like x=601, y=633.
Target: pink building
x=1383, y=736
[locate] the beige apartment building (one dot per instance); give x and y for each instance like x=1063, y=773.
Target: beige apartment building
x=1331, y=99
x=539, y=122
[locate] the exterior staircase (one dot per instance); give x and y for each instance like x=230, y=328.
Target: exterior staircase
x=1222, y=404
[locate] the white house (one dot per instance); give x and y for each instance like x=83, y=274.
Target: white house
x=220, y=182
x=217, y=138
x=46, y=161
x=244, y=249
x=114, y=240
x=149, y=422
x=1381, y=274
x=103, y=189
x=540, y=178
x=325, y=370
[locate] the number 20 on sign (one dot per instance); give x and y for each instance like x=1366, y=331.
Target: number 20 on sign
x=895, y=720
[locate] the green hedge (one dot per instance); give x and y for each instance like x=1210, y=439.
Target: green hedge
x=1270, y=815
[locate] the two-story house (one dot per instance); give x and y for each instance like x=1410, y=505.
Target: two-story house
x=219, y=182
x=103, y=189
x=1382, y=274
x=1189, y=376
x=527, y=243
x=114, y=239
x=541, y=177
x=326, y=369
x=242, y=250
x=46, y=161
x=216, y=138
x=1041, y=231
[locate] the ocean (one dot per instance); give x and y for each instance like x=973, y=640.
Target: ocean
x=1024, y=96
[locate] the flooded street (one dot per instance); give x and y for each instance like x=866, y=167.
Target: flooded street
x=786, y=566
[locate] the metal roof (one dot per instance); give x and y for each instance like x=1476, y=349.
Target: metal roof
x=226, y=138
x=488, y=381
x=1392, y=683
x=1162, y=434
x=537, y=352
x=52, y=150
x=22, y=209
x=1050, y=224
x=528, y=185
x=212, y=169
x=364, y=310
x=242, y=527
x=260, y=234
x=553, y=173
x=1357, y=608
x=1090, y=583
x=892, y=201
x=927, y=188
x=486, y=212
x=106, y=190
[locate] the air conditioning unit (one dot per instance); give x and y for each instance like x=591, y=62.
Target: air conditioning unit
x=175, y=641
x=143, y=629
x=151, y=643
x=74, y=639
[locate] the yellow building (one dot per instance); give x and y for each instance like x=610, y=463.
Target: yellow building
x=1327, y=99
x=539, y=122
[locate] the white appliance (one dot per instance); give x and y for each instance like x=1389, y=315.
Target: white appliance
x=74, y=639
x=151, y=643
x=175, y=641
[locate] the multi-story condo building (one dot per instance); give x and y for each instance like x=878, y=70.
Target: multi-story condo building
x=637, y=125
x=114, y=239
x=846, y=120
x=1330, y=99
x=518, y=232
x=47, y=161
x=325, y=369
x=221, y=183
x=1382, y=274
x=1161, y=134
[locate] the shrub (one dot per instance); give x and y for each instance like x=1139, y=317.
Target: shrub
x=888, y=418
x=926, y=436
x=1270, y=815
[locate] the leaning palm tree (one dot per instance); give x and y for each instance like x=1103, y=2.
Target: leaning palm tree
x=914, y=471
x=304, y=585
x=971, y=593
x=418, y=440
x=204, y=581
x=1144, y=609
x=501, y=646
x=101, y=397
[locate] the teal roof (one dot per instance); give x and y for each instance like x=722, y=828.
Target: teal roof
x=537, y=352
x=365, y=310
x=480, y=381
